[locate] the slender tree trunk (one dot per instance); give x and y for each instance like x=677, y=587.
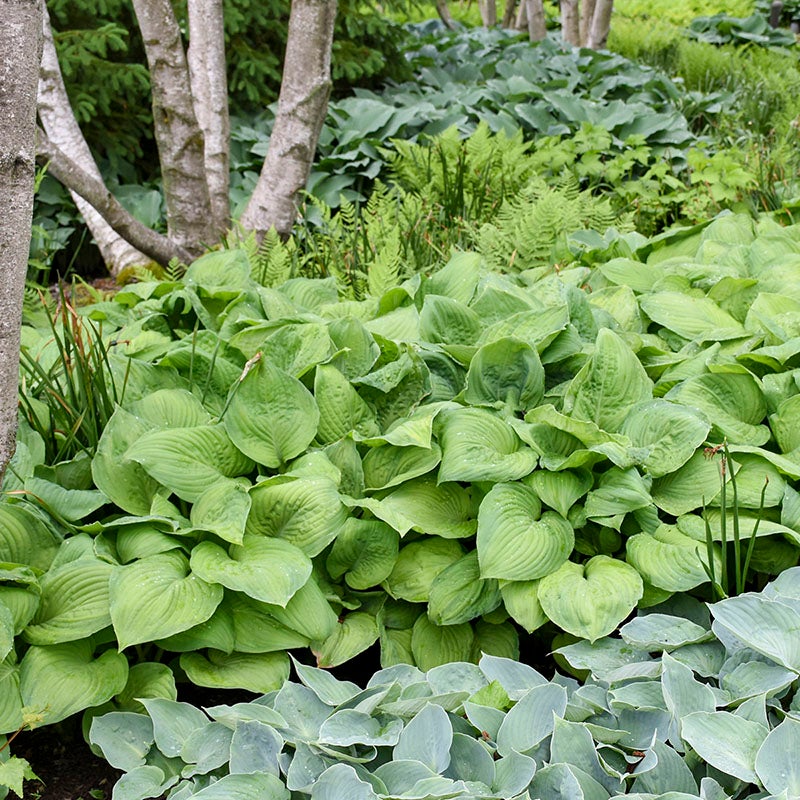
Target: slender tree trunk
x=92, y=189
x=181, y=150
x=62, y=128
x=509, y=13
x=587, y=13
x=537, y=28
x=488, y=10
x=302, y=106
x=207, y=71
x=570, y=22
x=20, y=54
x=521, y=23
x=443, y=10
x=601, y=24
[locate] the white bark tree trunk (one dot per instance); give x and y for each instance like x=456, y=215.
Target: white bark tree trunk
x=488, y=9
x=537, y=28
x=181, y=149
x=601, y=24
x=207, y=71
x=63, y=130
x=570, y=22
x=587, y=13
x=20, y=54
x=302, y=106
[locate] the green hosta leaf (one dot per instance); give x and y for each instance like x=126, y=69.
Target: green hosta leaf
x=444, y=509
x=189, y=460
x=618, y=492
x=257, y=630
x=443, y=319
x=696, y=318
x=514, y=542
x=146, y=679
x=610, y=382
x=590, y=600
x=776, y=763
x=457, y=279
x=272, y=416
x=560, y=490
x=521, y=600
x=70, y=504
x=24, y=539
x=501, y=640
x=417, y=565
x=264, y=568
x=389, y=465
x=308, y=613
x=427, y=738
x=364, y=552
x=62, y=679
x=351, y=636
x=222, y=509
x=341, y=409
x=306, y=512
x=256, y=672
x=478, y=446
x=137, y=541
x=686, y=489
x=458, y=594
x=670, y=432
x=74, y=603
x=358, y=350
x=506, y=373
x=156, y=597
x=295, y=348
x=433, y=645
x=6, y=630
x=170, y=408
x=669, y=559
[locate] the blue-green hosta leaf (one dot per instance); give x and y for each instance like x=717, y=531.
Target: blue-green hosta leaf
x=325, y=686
x=74, y=603
x=515, y=677
x=352, y=635
x=10, y=699
x=532, y=719
x=506, y=373
x=124, y=738
x=470, y=761
x=669, y=431
x=433, y=645
x=264, y=568
x=513, y=773
x=477, y=446
x=173, y=723
x=341, y=409
x=222, y=509
x=388, y=465
x=427, y=739
x=349, y=726
x=725, y=741
x=443, y=319
x=733, y=402
x=776, y=764
x=206, y=749
x=695, y=318
x=417, y=565
x=653, y=632
x=669, y=559
x=444, y=509
x=590, y=600
x=753, y=678
x=24, y=539
x=255, y=748
x=272, y=416
x=459, y=594
x=158, y=596
x=62, y=679
x=560, y=490
x=514, y=542
x=308, y=513
x=364, y=553
x=245, y=787
x=255, y=672
x=342, y=782
x=521, y=600
x=610, y=382
x=189, y=460
x=683, y=694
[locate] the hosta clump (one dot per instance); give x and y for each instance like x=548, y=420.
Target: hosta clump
x=432, y=469
x=684, y=704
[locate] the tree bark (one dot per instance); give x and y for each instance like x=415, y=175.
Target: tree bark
x=601, y=24
x=570, y=22
x=58, y=121
x=20, y=54
x=587, y=13
x=443, y=10
x=302, y=106
x=92, y=189
x=488, y=9
x=509, y=13
x=537, y=28
x=181, y=149
x=207, y=71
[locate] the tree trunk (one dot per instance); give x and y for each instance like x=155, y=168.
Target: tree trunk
x=20, y=54
x=302, y=106
x=570, y=24
x=207, y=71
x=92, y=189
x=63, y=130
x=443, y=10
x=537, y=28
x=587, y=13
x=521, y=23
x=181, y=150
x=509, y=13
x=601, y=24
x=488, y=10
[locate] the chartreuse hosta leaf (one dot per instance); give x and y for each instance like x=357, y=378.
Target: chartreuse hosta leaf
x=388, y=465
x=306, y=512
x=364, y=553
x=20, y=592
x=479, y=446
x=308, y=613
x=295, y=348
x=223, y=509
x=265, y=568
x=515, y=540
x=352, y=635
x=170, y=408
x=590, y=600
x=256, y=672
x=59, y=680
x=272, y=416
x=521, y=600
x=433, y=645
x=610, y=382
x=189, y=461
x=341, y=409
x=417, y=565
x=459, y=594
x=560, y=490
x=357, y=349
x=691, y=486
x=443, y=319
x=696, y=318
x=24, y=538
x=158, y=596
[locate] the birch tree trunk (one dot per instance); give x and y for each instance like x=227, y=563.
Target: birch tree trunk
x=488, y=9
x=207, y=72
x=537, y=28
x=20, y=54
x=181, y=149
x=587, y=12
x=570, y=22
x=601, y=24
x=302, y=106
x=63, y=130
